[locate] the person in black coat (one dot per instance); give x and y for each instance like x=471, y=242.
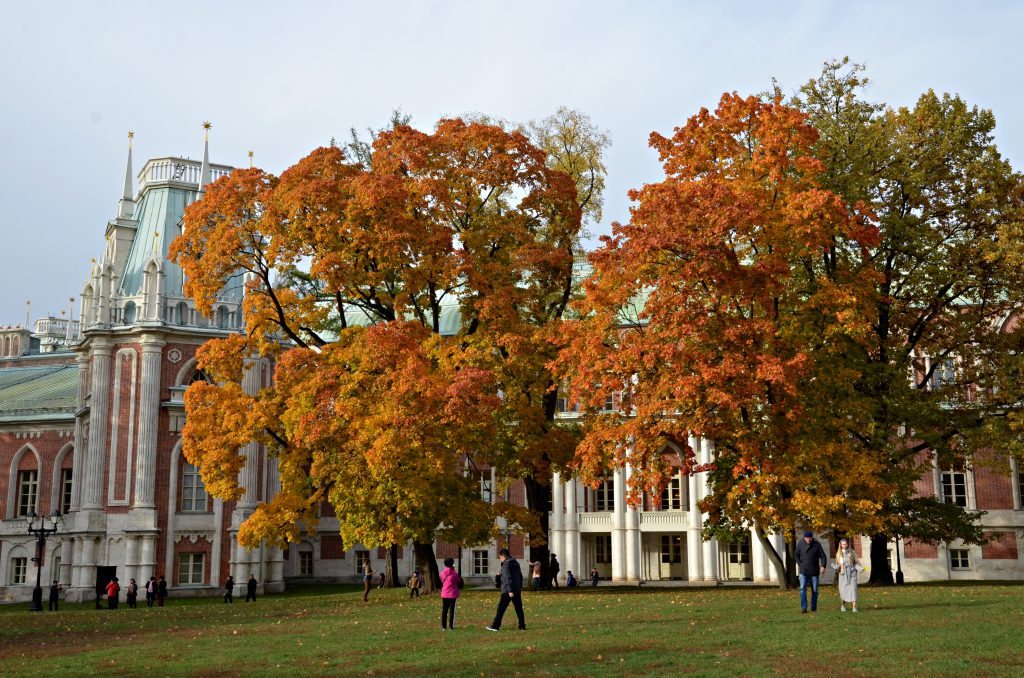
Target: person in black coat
x=810, y=561
x=55, y=589
x=250, y=588
x=511, y=590
x=553, y=570
x=229, y=590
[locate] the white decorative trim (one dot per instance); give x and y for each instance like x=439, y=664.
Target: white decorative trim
x=56, y=491
x=174, y=356
x=12, y=479
x=193, y=537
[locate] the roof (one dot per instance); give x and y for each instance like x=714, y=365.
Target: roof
x=45, y=391
x=159, y=216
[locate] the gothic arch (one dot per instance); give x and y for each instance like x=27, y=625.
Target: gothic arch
x=12, y=477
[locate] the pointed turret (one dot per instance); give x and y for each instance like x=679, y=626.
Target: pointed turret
x=126, y=207
x=204, y=172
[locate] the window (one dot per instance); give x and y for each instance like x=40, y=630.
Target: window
x=305, y=563
x=481, y=563
x=128, y=316
x=603, y=548
x=181, y=316
x=1020, y=490
x=28, y=485
x=563, y=405
x=190, y=569
x=361, y=558
x=671, y=548
x=958, y=559
x=604, y=496
x=485, y=486
x=943, y=373
x=609, y=404
x=65, y=491
x=19, y=570
x=739, y=552
x=954, y=487
x=193, y=492
x=889, y=559
x=672, y=496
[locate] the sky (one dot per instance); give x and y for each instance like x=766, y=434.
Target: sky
x=284, y=78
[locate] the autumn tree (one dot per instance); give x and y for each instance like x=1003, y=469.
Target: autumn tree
x=401, y=301
x=725, y=308
x=941, y=365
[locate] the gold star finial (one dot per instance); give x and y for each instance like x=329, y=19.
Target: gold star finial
x=131, y=135
x=250, y=158
x=207, y=125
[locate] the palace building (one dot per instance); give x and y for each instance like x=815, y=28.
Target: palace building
x=91, y=413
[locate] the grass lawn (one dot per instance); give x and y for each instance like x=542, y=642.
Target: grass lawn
x=933, y=630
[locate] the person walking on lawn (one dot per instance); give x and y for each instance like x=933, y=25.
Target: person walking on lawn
x=451, y=580
x=810, y=561
x=511, y=590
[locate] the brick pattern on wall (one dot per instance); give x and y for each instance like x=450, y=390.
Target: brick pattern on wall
x=912, y=549
x=992, y=490
x=331, y=547
x=48, y=443
x=1002, y=547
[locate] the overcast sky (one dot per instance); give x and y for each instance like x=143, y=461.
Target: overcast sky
x=283, y=78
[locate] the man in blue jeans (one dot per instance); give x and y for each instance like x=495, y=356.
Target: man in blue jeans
x=811, y=561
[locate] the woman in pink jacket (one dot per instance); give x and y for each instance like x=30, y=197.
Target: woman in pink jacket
x=450, y=583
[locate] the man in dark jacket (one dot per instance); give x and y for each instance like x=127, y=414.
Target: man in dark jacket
x=511, y=590
x=554, y=569
x=810, y=561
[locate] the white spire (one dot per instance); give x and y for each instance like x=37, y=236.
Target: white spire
x=204, y=172
x=126, y=207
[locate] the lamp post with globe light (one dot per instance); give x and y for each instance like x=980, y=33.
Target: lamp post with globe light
x=40, y=531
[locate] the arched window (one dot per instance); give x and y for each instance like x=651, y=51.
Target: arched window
x=7, y=346
x=128, y=315
x=222, y=317
x=199, y=375
x=193, y=492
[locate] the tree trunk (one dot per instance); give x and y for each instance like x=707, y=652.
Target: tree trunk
x=792, y=581
x=773, y=555
x=427, y=563
x=537, y=501
x=880, y=572
x=392, y=574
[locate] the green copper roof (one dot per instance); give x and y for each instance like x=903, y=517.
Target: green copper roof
x=159, y=216
x=48, y=391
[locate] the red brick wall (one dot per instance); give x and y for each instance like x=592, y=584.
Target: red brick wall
x=992, y=490
x=445, y=550
x=1002, y=547
x=331, y=547
x=48, y=443
x=913, y=549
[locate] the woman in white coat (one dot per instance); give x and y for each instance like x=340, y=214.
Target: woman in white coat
x=848, y=566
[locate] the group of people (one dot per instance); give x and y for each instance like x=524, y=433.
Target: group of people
x=250, y=589
x=156, y=591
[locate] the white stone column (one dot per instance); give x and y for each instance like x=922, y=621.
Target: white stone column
x=556, y=522
x=572, y=531
x=632, y=538
x=710, y=555
x=149, y=415
x=131, y=558
x=87, y=573
x=67, y=560
x=147, y=558
x=249, y=475
x=757, y=557
x=694, y=571
x=218, y=541
x=618, y=526
x=99, y=403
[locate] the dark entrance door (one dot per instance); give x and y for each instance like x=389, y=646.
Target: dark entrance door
x=104, y=574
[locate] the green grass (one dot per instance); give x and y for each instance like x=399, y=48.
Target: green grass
x=933, y=630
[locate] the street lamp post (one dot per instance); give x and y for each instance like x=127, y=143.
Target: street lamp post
x=40, y=532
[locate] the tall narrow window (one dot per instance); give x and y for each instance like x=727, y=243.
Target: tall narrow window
x=362, y=557
x=603, y=548
x=671, y=496
x=1020, y=489
x=954, y=487
x=485, y=486
x=28, y=487
x=604, y=496
x=19, y=570
x=481, y=562
x=739, y=552
x=190, y=568
x=671, y=548
x=65, y=491
x=193, y=492
x=305, y=563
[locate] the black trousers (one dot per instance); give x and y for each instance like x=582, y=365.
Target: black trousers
x=53, y=604
x=448, y=612
x=517, y=602
x=149, y=599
